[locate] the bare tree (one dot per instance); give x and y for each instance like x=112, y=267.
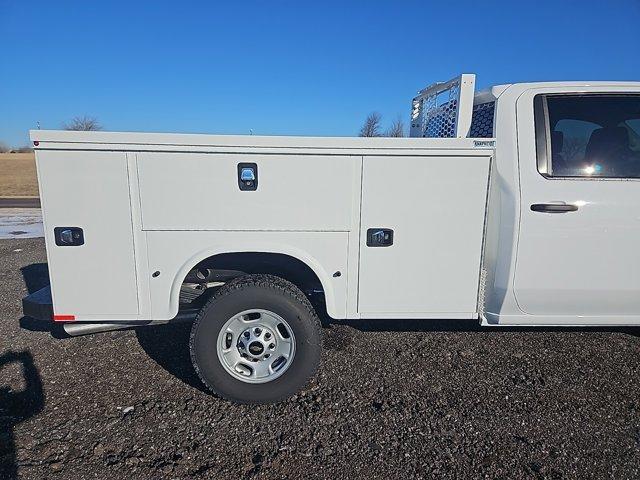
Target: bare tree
x=371, y=127
x=84, y=123
x=396, y=129
x=4, y=148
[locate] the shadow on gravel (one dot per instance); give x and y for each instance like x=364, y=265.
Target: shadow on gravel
x=36, y=276
x=55, y=329
x=17, y=407
x=168, y=346
x=420, y=325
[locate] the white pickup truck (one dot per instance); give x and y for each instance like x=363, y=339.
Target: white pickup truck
x=518, y=205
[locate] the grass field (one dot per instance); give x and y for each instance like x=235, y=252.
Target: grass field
x=18, y=175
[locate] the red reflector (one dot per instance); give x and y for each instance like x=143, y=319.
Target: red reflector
x=63, y=318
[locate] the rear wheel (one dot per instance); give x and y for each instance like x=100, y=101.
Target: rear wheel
x=257, y=340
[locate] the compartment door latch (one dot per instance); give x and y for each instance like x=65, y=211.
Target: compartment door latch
x=379, y=237
x=248, y=176
x=68, y=236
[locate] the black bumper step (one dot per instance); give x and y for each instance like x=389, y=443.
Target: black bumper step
x=39, y=305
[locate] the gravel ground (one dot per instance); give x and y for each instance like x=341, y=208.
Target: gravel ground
x=393, y=399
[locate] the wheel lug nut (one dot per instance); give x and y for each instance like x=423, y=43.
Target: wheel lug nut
x=272, y=346
x=267, y=335
x=247, y=334
x=257, y=331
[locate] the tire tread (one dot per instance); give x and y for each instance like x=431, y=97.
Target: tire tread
x=267, y=281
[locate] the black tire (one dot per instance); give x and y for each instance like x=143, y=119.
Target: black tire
x=266, y=292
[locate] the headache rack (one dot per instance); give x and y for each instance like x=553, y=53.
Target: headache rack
x=444, y=109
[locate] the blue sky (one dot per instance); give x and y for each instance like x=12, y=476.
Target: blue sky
x=276, y=67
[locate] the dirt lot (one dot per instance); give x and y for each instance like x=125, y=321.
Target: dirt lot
x=393, y=400
x=18, y=175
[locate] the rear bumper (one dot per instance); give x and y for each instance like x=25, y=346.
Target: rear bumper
x=39, y=305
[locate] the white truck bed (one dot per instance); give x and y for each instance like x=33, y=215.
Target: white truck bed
x=163, y=202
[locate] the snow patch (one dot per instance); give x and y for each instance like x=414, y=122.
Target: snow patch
x=21, y=223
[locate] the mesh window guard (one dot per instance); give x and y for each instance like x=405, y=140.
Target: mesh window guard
x=482, y=120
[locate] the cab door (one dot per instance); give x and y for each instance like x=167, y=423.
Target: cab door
x=578, y=250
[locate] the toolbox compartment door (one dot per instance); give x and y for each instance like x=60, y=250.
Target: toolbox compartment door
x=291, y=193
x=89, y=190
x=421, y=235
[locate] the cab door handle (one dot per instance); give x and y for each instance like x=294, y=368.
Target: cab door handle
x=554, y=207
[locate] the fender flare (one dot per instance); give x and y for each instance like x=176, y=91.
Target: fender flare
x=283, y=249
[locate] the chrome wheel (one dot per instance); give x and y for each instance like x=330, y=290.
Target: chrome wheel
x=256, y=346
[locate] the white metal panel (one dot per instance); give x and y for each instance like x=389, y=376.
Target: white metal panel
x=503, y=212
x=136, y=141
x=354, y=248
x=89, y=190
x=139, y=240
x=200, y=192
x=173, y=254
x=436, y=207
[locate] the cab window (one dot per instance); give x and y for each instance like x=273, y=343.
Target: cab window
x=588, y=136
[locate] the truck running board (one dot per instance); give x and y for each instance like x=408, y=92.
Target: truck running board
x=77, y=329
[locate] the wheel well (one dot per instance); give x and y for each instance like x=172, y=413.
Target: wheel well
x=226, y=266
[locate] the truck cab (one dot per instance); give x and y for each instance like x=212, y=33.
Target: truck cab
x=562, y=217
